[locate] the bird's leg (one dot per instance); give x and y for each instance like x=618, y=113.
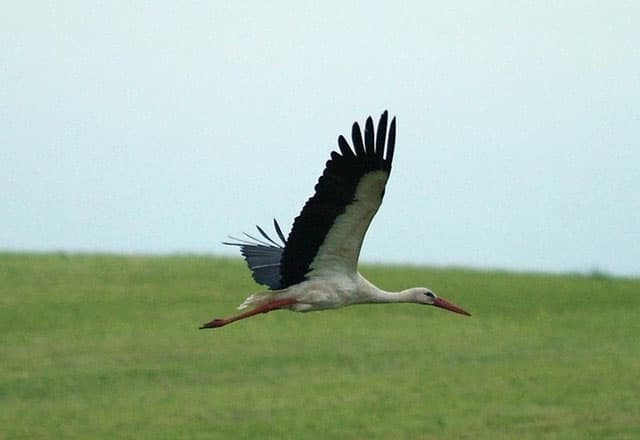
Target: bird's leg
x=264, y=308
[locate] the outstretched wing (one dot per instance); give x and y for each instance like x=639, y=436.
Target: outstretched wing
x=327, y=235
x=262, y=256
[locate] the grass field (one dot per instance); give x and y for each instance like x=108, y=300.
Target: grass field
x=108, y=347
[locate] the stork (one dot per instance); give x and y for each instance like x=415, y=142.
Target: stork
x=315, y=268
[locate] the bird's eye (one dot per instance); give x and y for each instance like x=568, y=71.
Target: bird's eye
x=430, y=295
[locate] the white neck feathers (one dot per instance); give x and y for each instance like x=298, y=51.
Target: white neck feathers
x=371, y=294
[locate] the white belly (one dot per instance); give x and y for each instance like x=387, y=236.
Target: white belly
x=314, y=295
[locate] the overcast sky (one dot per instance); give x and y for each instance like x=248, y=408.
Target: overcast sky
x=162, y=127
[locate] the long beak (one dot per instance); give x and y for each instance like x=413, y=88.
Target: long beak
x=444, y=304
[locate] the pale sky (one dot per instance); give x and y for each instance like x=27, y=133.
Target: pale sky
x=161, y=127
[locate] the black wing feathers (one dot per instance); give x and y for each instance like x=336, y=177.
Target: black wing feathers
x=391, y=143
x=381, y=135
x=356, y=136
x=279, y=231
x=263, y=258
x=279, y=267
x=264, y=234
x=345, y=149
x=334, y=191
x=368, y=137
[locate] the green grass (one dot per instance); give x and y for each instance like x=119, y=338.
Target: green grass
x=108, y=347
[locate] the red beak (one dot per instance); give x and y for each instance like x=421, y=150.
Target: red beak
x=444, y=304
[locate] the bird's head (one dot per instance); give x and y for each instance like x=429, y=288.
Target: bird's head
x=425, y=296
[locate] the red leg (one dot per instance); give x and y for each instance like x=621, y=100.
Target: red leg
x=264, y=308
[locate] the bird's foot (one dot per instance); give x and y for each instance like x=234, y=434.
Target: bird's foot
x=218, y=322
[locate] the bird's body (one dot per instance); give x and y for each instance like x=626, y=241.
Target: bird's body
x=315, y=268
x=329, y=293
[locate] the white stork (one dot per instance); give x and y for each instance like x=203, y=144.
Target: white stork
x=315, y=268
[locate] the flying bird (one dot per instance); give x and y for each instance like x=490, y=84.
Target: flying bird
x=315, y=267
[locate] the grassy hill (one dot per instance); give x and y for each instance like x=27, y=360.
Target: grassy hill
x=108, y=347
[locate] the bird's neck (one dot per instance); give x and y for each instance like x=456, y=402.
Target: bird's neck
x=403, y=296
x=376, y=295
